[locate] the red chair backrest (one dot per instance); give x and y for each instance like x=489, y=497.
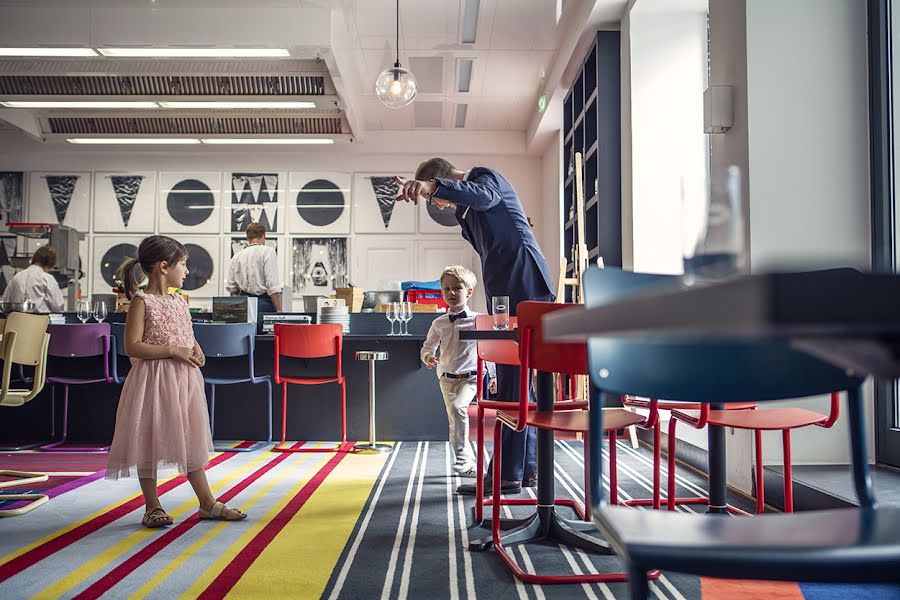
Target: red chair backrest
x=501, y=352
x=308, y=341
x=550, y=357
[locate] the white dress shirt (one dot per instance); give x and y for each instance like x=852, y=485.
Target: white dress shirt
x=457, y=356
x=254, y=270
x=36, y=285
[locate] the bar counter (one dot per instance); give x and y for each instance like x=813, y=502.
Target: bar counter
x=409, y=406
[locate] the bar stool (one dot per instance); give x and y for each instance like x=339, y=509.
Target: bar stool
x=371, y=356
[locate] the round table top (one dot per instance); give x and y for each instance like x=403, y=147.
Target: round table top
x=371, y=355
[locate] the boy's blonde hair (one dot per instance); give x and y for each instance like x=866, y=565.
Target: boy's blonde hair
x=460, y=273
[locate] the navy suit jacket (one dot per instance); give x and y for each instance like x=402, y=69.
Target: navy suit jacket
x=493, y=221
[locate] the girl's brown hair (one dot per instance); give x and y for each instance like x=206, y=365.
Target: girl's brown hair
x=153, y=250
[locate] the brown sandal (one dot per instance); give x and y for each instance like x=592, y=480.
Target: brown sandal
x=220, y=512
x=156, y=517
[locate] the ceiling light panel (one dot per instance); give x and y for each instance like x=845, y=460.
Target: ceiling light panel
x=132, y=141
x=48, y=52
x=461, y=110
x=227, y=105
x=272, y=141
x=195, y=52
x=87, y=104
x=470, y=22
x=464, y=81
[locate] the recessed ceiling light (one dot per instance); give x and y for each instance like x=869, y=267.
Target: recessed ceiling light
x=60, y=52
x=148, y=140
x=274, y=105
x=470, y=22
x=461, y=110
x=465, y=74
x=267, y=140
x=77, y=104
x=194, y=52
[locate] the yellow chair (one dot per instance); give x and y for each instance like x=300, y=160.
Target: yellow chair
x=24, y=342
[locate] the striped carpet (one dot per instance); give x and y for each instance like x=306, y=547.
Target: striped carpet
x=321, y=525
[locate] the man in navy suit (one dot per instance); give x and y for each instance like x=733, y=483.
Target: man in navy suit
x=493, y=221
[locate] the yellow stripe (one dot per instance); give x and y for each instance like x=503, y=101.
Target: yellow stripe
x=303, y=555
x=184, y=555
x=88, y=569
x=228, y=555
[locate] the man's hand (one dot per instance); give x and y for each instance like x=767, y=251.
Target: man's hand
x=411, y=190
x=492, y=386
x=431, y=361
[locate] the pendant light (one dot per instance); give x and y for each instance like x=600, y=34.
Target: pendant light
x=395, y=86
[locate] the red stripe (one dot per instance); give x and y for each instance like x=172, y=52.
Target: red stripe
x=105, y=583
x=39, y=553
x=230, y=575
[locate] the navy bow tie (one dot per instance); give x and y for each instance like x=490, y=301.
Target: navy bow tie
x=459, y=315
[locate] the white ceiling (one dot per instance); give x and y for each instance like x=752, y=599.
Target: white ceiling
x=515, y=41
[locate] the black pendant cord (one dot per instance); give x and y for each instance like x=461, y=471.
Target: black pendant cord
x=397, y=63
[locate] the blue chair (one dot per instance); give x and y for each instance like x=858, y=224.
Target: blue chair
x=221, y=341
x=845, y=545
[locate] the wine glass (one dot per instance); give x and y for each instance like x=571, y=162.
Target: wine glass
x=407, y=316
x=100, y=311
x=84, y=311
x=401, y=316
x=390, y=311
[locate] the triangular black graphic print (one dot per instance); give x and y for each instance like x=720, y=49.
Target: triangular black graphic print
x=126, y=188
x=386, y=190
x=61, y=188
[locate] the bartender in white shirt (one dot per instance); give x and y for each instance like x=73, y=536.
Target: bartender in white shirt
x=37, y=284
x=254, y=271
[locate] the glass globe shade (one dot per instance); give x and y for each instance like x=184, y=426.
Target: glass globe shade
x=395, y=87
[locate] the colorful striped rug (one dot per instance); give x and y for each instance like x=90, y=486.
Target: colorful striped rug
x=324, y=525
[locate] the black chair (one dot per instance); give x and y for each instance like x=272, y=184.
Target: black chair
x=844, y=545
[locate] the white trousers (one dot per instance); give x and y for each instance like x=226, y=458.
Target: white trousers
x=458, y=394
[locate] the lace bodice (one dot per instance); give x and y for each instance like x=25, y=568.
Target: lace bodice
x=167, y=320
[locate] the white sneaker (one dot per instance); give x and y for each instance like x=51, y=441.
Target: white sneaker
x=465, y=470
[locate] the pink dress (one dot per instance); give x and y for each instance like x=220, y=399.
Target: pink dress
x=162, y=419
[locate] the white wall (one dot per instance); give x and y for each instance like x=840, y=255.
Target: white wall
x=800, y=137
x=377, y=154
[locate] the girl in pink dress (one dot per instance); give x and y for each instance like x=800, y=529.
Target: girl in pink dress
x=162, y=418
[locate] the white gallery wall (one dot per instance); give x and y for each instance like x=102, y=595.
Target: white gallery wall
x=414, y=247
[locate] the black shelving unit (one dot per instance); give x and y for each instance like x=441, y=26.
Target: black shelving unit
x=592, y=126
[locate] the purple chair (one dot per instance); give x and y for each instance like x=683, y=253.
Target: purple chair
x=76, y=341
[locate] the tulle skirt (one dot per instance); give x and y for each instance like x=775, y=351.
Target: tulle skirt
x=162, y=421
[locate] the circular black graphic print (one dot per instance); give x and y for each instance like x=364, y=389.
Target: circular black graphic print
x=190, y=202
x=113, y=259
x=200, y=267
x=320, y=202
x=446, y=217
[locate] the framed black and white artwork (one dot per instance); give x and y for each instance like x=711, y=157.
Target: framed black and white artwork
x=62, y=198
x=12, y=198
x=255, y=198
x=434, y=220
x=109, y=254
x=318, y=265
x=125, y=202
x=236, y=244
x=319, y=203
x=203, y=265
x=375, y=209
x=189, y=202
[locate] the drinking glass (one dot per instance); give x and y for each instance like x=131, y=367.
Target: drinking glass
x=100, y=311
x=500, y=312
x=84, y=311
x=712, y=227
x=390, y=311
x=407, y=317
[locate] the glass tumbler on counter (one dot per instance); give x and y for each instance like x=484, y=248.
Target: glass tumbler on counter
x=500, y=312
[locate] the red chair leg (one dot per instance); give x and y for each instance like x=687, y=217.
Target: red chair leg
x=670, y=493
x=613, y=470
x=760, y=480
x=657, y=462
x=479, y=468
x=284, y=387
x=343, y=412
x=788, y=472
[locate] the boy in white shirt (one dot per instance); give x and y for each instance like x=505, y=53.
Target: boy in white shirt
x=458, y=361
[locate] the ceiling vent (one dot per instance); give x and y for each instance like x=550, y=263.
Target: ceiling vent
x=196, y=126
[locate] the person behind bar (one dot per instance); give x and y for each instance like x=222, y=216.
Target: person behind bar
x=457, y=367
x=493, y=222
x=37, y=284
x=254, y=271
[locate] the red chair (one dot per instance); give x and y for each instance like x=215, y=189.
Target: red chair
x=563, y=359
x=309, y=341
x=655, y=502
x=505, y=352
x=774, y=419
